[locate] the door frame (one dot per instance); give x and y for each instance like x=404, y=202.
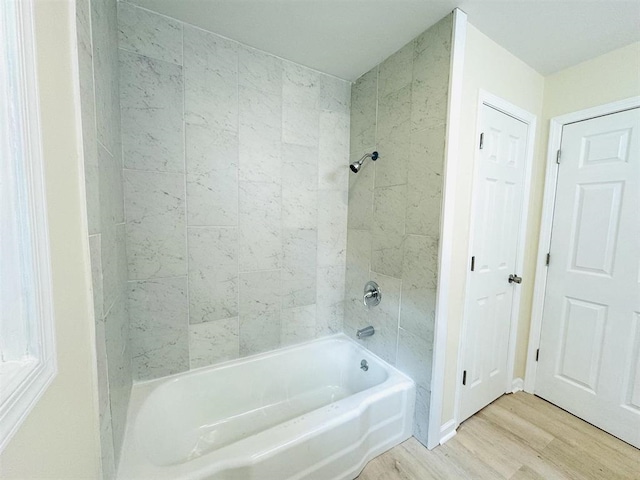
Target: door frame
x=487, y=99
x=548, y=205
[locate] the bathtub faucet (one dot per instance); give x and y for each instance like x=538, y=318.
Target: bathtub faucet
x=365, y=332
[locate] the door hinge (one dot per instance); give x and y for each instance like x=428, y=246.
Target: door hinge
x=464, y=377
x=481, y=141
x=473, y=263
x=558, y=157
x=537, y=354
x=548, y=259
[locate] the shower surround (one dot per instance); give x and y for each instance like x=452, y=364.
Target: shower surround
x=236, y=181
x=217, y=192
x=96, y=22
x=399, y=108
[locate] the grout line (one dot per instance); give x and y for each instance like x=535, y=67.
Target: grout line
x=186, y=205
x=150, y=57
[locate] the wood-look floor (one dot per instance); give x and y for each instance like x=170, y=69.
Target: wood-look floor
x=517, y=437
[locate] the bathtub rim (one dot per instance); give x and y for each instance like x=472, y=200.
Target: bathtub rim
x=149, y=384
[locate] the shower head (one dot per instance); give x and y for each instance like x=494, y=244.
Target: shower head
x=355, y=166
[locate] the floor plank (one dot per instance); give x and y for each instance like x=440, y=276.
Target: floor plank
x=517, y=437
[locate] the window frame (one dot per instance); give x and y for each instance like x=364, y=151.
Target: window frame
x=25, y=380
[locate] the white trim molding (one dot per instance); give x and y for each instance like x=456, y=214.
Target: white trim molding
x=459, y=35
x=487, y=99
x=448, y=431
x=28, y=360
x=544, y=241
x=517, y=385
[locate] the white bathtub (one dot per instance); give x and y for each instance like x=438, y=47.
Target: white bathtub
x=302, y=412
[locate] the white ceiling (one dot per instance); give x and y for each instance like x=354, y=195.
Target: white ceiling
x=346, y=38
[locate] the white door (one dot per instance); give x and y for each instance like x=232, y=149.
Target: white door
x=589, y=358
x=498, y=191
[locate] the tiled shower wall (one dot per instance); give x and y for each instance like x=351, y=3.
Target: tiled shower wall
x=100, y=109
x=236, y=185
x=400, y=109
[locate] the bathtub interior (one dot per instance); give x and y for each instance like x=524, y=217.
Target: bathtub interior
x=199, y=416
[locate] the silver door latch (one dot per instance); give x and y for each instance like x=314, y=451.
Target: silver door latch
x=513, y=278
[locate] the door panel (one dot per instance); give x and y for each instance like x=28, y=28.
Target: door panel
x=589, y=346
x=498, y=201
x=594, y=234
x=580, y=347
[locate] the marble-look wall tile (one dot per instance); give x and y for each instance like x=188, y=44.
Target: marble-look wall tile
x=298, y=324
x=259, y=333
x=259, y=293
x=384, y=319
x=159, y=327
x=122, y=271
x=212, y=176
x=110, y=188
x=102, y=364
x=158, y=307
x=299, y=186
x=332, y=227
x=213, y=342
x=389, y=204
x=395, y=72
x=156, y=227
x=88, y=114
x=299, y=251
x=213, y=273
x=364, y=105
x=359, y=251
x=430, y=82
x=109, y=266
x=300, y=85
x=107, y=452
x=419, y=285
x=415, y=357
x=421, y=414
x=357, y=274
x=152, y=124
x=424, y=194
x=149, y=34
x=333, y=151
x=159, y=356
x=393, y=135
x=119, y=368
x=360, y=212
x=95, y=254
x=335, y=94
x=259, y=311
x=300, y=125
x=211, y=79
x=260, y=134
x=104, y=32
x=260, y=71
x=100, y=113
x=260, y=227
x=330, y=299
x=265, y=165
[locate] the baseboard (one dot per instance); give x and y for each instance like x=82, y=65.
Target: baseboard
x=517, y=385
x=447, y=431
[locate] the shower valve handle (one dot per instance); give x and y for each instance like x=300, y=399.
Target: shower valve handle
x=372, y=295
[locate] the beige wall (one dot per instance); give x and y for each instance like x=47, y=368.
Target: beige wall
x=59, y=439
x=604, y=79
x=489, y=67
x=610, y=77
